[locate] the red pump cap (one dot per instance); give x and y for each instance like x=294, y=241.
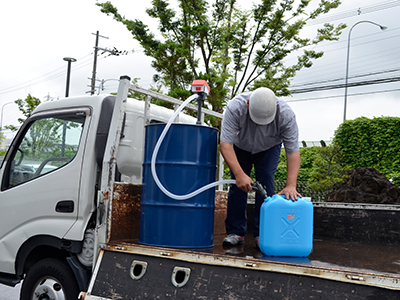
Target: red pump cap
x=200, y=86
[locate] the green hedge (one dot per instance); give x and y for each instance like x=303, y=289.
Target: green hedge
x=305, y=190
x=361, y=142
x=371, y=143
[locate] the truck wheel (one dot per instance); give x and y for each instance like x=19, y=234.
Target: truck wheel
x=49, y=279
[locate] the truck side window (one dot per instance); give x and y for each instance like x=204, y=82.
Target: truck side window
x=47, y=145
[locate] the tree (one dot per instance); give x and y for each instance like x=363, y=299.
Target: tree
x=233, y=49
x=328, y=168
x=2, y=137
x=42, y=139
x=43, y=135
x=308, y=156
x=26, y=107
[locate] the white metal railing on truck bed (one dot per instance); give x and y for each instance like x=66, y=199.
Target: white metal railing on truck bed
x=104, y=197
x=151, y=94
x=204, y=111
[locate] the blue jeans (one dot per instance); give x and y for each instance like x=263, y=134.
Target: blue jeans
x=265, y=164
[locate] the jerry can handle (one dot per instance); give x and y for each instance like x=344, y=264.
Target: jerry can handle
x=306, y=199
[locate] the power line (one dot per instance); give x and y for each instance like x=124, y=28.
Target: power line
x=350, y=77
x=352, y=84
x=113, y=51
x=354, y=12
x=344, y=41
x=43, y=78
x=54, y=74
x=314, y=47
x=35, y=71
x=357, y=62
x=340, y=96
x=337, y=74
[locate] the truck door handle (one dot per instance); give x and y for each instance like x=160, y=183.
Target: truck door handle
x=65, y=206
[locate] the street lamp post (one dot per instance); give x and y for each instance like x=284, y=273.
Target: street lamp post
x=2, y=109
x=347, y=65
x=101, y=86
x=1, y=122
x=69, y=60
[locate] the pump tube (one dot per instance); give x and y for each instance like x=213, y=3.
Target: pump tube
x=154, y=156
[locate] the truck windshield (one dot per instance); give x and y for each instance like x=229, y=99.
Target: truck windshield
x=47, y=145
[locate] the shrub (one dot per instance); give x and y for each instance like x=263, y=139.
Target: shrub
x=371, y=143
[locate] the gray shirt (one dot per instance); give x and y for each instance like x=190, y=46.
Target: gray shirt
x=240, y=130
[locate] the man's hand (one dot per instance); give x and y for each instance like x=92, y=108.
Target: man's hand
x=290, y=192
x=243, y=182
x=293, y=166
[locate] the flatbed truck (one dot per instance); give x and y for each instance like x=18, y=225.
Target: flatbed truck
x=70, y=204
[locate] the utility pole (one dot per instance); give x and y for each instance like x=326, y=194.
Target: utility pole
x=94, y=64
x=110, y=51
x=96, y=49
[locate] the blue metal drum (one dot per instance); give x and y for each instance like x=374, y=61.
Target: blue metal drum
x=186, y=161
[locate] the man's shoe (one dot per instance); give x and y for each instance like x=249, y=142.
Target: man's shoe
x=233, y=239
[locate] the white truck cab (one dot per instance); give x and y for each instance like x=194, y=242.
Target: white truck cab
x=50, y=178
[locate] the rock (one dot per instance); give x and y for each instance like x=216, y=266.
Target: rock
x=366, y=185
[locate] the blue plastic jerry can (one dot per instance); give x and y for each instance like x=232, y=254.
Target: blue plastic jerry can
x=286, y=227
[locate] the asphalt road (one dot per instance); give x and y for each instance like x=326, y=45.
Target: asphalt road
x=9, y=293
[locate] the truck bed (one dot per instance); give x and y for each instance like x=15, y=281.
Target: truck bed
x=346, y=236
x=334, y=270
x=356, y=255
x=335, y=255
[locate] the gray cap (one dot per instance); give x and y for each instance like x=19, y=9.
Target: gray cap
x=262, y=106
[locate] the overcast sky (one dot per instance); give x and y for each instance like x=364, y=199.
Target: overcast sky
x=37, y=35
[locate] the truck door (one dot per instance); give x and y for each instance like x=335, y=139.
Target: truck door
x=41, y=180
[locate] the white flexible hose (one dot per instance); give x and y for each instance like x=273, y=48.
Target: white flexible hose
x=155, y=152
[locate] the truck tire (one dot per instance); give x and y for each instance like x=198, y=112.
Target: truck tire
x=49, y=279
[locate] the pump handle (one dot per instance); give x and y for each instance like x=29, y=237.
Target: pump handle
x=259, y=188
